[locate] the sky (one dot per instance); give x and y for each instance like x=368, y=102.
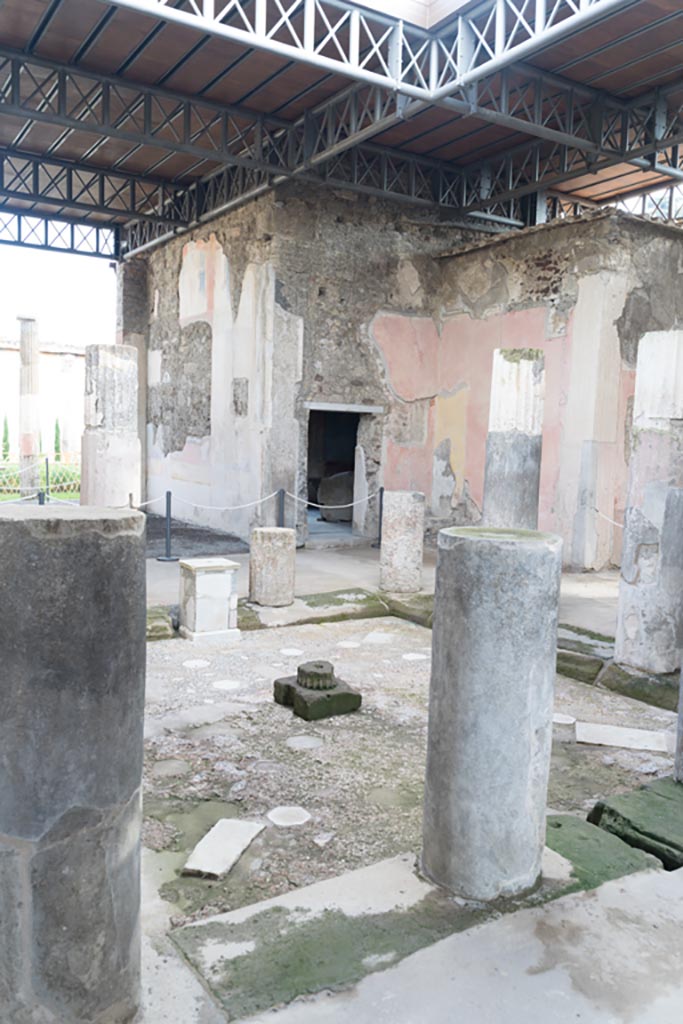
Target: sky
x=73, y=298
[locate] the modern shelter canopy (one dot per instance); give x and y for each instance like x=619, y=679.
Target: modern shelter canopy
x=125, y=121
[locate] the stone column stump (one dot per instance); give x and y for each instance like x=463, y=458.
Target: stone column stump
x=650, y=611
x=110, y=446
x=512, y=476
x=208, y=599
x=29, y=407
x=272, y=566
x=490, y=710
x=72, y=649
x=400, y=559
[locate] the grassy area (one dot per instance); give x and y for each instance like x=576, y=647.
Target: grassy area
x=65, y=480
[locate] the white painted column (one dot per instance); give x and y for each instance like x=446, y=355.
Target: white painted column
x=650, y=612
x=110, y=447
x=29, y=407
x=514, y=442
x=208, y=599
x=400, y=559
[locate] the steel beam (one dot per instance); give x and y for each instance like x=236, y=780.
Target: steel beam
x=41, y=90
x=88, y=189
x=34, y=231
x=340, y=37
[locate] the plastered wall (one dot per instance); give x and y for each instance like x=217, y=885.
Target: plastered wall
x=309, y=296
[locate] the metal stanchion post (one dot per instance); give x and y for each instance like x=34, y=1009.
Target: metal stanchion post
x=41, y=497
x=47, y=478
x=378, y=542
x=281, y=507
x=168, y=557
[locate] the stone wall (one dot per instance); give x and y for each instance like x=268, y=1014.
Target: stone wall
x=310, y=296
x=261, y=312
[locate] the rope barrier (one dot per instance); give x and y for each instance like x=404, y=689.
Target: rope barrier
x=20, y=472
x=225, y=508
x=313, y=504
x=612, y=521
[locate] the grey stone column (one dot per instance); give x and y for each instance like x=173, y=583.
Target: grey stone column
x=650, y=611
x=72, y=649
x=110, y=447
x=490, y=709
x=400, y=557
x=512, y=475
x=29, y=407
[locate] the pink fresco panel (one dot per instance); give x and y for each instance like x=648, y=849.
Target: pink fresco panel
x=409, y=467
x=410, y=348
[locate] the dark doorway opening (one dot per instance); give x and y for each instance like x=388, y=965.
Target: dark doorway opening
x=331, y=461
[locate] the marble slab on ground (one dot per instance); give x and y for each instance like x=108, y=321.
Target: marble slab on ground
x=221, y=847
x=609, y=956
x=628, y=739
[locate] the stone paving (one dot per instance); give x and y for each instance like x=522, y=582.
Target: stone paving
x=219, y=747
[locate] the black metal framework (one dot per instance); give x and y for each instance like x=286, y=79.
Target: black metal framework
x=475, y=67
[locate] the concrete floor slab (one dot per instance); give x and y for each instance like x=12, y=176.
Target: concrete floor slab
x=610, y=956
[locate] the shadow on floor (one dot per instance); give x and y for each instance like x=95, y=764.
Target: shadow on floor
x=188, y=541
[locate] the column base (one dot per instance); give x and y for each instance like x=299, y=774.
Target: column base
x=223, y=635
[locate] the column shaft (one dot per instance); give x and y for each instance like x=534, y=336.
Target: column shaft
x=490, y=709
x=72, y=646
x=29, y=407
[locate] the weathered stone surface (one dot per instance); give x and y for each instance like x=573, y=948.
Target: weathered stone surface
x=579, y=666
x=110, y=447
x=222, y=847
x=73, y=655
x=272, y=566
x=490, y=709
x=649, y=819
x=400, y=560
x=312, y=705
x=159, y=624
x=512, y=474
x=512, y=480
x=29, y=407
x=660, y=691
x=596, y=855
x=650, y=612
x=316, y=675
x=336, y=490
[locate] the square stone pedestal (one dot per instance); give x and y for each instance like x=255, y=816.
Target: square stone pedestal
x=208, y=599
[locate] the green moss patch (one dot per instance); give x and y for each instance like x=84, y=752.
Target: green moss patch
x=289, y=957
x=587, y=633
x=649, y=819
x=660, y=691
x=578, y=666
x=417, y=608
x=159, y=624
x=596, y=856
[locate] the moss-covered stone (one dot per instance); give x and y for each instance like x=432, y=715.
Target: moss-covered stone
x=650, y=819
x=417, y=608
x=596, y=856
x=589, y=633
x=247, y=617
x=578, y=666
x=159, y=624
x=312, y=705
x=292, y=955
x=660, y=691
